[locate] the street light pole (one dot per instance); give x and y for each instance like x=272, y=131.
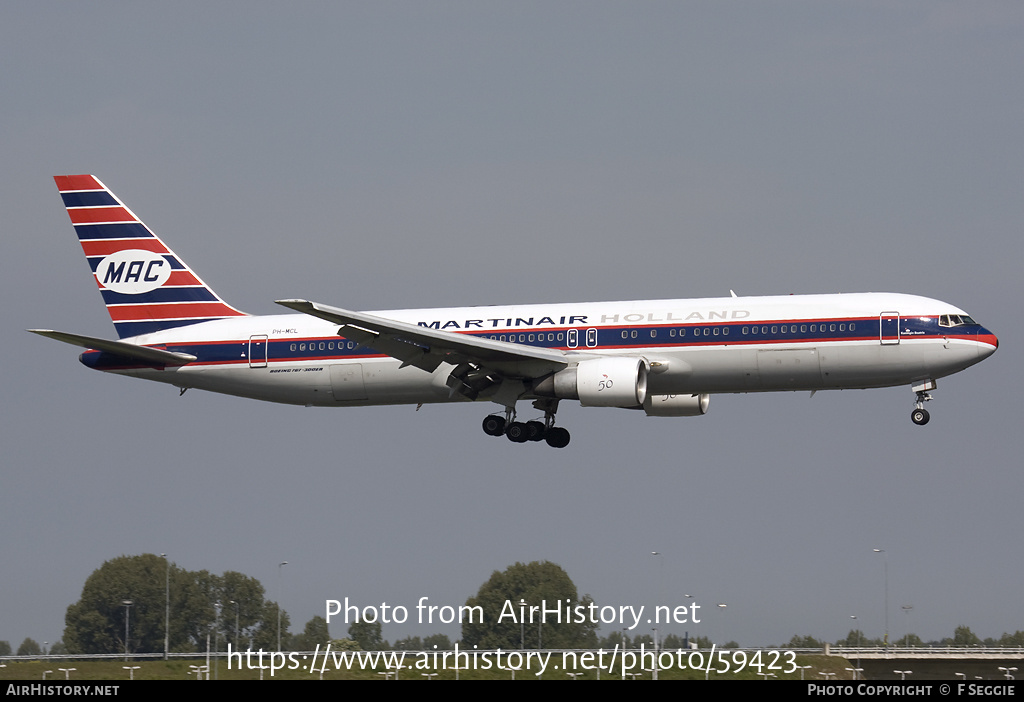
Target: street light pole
x=127, y=609
x=522, y=623
x=886, y=555
x=906, y=637
x=280, y=591
x=167, y=608
x=235, y=603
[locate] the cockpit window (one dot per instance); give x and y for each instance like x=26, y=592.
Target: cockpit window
x=955, y=320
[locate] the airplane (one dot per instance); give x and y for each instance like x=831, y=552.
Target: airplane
x=663, y=357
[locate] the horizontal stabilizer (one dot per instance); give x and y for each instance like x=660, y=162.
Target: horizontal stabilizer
x=120, y=348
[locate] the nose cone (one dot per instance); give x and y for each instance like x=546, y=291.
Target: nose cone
x=987, y=343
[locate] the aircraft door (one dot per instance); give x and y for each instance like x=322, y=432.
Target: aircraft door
x=889, y=328
x=258, y=351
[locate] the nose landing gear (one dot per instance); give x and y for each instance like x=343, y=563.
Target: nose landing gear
x=920, y=415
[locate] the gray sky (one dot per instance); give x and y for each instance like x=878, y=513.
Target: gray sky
x=423, y=154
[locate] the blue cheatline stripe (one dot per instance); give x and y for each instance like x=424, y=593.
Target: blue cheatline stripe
x=164, y=294
x=90, y=199
x=120, y=230
x=280, y=350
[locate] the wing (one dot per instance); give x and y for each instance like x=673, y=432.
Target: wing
x=427, y=348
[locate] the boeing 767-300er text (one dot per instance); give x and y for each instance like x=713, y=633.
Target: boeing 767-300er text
x=664, y=357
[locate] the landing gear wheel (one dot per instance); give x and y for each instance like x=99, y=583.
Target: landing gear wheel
x=920, y=417
x=557, y=437
x=494, y=425
x=518, y=432
x=535, y=430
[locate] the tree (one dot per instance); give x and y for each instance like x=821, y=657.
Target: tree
x=702, y=642
x=540, y=584
x=29, y=647
x=242, y=596
x=264, y=634
x=367, y=635
x=673, y=641
x=439, y=641
x=615, y=638
x=96, y=623
x=645, y=640
x=1014, y=639
x=5, y=647
x=963, y=636
x=804, y=642
x=313, y=635
x=409, y=643
x=910, y=640
x=857, y=639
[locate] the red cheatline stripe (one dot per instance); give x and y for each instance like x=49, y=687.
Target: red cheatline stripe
x=105, y=247
x=177, y=278
x=92, y=215
x=178, y=310
x=76, y=182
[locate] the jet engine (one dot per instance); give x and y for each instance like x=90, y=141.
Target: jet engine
x=676, y=405
x=601, y=382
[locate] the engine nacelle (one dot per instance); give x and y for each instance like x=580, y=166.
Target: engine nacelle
x=676, y=405
x=601, y=382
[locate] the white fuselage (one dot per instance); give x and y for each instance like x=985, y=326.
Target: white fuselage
x=693, y=346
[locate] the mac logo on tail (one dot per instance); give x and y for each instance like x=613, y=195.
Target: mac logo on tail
x=133, y=271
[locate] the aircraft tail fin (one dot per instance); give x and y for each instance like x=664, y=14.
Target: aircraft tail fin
x=144, y=285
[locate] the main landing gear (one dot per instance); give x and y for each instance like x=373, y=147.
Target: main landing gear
x=521, y=432
x=920, y=415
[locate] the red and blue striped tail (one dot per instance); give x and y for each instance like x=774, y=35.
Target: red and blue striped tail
x=145, y=286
